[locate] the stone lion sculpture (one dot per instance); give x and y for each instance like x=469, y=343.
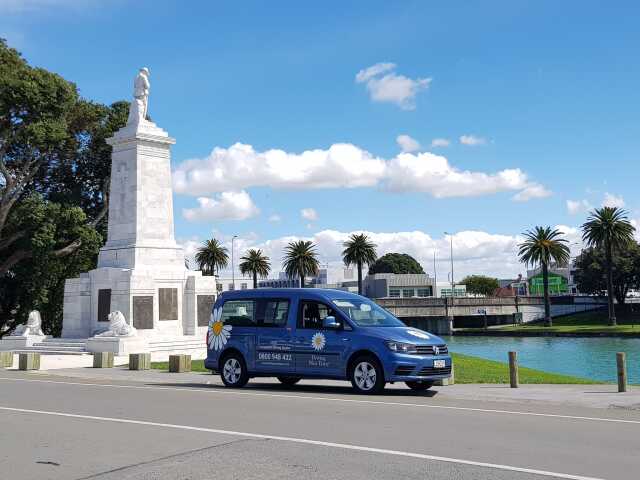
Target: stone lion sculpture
x=32, y=327
x=118, y=326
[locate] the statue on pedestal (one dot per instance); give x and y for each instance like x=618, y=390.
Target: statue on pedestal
x=118, y=326
x=140, y=103
x=32, y=327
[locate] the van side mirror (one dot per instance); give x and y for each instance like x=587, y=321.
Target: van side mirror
x=330, y=322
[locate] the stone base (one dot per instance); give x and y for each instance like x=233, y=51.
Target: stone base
x=103, y=360
x=17, y=342
x=179, y=363
x=117, y=345
x=29, y=361
x=6, y=359
x=140, y=361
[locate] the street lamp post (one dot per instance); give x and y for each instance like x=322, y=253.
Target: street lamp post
x=453, y=285
x=233, y=269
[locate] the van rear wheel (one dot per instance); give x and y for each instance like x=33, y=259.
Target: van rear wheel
x=289, y=381
x=366, y=375
x=233, y=371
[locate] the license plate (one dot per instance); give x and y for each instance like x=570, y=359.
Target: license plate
x=438, y=364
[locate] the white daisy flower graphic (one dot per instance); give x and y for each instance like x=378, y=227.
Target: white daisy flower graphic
x=219, y=333
x=318, y=341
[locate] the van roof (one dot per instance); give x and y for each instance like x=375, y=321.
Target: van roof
x=324, y=293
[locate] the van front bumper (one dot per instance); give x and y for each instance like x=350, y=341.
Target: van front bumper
x=407, y=368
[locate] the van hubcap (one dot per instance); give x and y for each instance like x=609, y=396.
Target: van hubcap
x=232, y=370
x=365, y=376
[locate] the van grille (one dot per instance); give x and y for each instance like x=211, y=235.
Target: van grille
x=404, y=370
x=428, y=350
x=428, y=371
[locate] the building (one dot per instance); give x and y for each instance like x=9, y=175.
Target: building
x=560, y=281
x=444, y=290
x=226, y=283
x=512, y=287
x=391, y=285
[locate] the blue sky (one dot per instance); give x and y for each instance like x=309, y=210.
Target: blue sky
x=546, y=95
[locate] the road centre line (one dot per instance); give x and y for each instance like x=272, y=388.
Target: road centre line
x=329, y=399
x=344, y=446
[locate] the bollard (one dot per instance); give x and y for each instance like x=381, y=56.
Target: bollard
x=139, y=361
x=513, y=369
x=6, y=359
x=29, y=361
x=179, y=363
x=621, y=360
x=103, y=360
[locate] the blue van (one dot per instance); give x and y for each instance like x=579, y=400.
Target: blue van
x=315, y=333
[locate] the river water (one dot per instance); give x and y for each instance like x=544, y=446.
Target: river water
x=593, y=358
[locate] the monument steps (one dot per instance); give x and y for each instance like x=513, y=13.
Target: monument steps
x=57, y=346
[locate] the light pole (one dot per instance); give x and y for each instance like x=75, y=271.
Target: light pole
x=233, y=270
x=453, y=285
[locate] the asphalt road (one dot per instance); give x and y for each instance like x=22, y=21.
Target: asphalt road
x=57, y=428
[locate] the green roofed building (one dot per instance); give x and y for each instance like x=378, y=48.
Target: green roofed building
x=558, y=284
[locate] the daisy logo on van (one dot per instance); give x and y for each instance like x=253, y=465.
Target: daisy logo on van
x=318, y=341
x=219, y=333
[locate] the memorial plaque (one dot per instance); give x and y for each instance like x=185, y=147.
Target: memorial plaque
x=168, y=303
x=104, y=304
x=205, y=304
x=143, y=312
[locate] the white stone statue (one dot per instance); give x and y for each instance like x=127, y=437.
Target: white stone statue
x=33, y=326
x=140, y=102
x=118, y=326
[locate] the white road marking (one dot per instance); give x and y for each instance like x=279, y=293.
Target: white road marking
x=221, y=391
x=344, y=446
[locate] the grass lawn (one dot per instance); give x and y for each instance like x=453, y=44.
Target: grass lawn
x=467, y=370
x=588, y=322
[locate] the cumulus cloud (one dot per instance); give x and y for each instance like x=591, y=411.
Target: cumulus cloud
x=385, y=85
x=472, y=140
x=309, y=214
x=611, y=200
x=343, y=166
x=275, y=218
x=533, y=190
x=407, y=144
x=440, y=142
x=225, y=206
x=578, y=206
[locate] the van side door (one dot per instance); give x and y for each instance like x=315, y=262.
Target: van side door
x=274, y=341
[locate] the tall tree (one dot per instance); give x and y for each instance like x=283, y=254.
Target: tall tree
x=542, y=246
x=211, y=257
x=480, y=284
x=398, y=263
x=359, y=251
x=300, y=260
x=608, y=228
x=257, y=264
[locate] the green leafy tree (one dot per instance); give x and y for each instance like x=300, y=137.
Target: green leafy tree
x=257, y=264
x=300, y=260
x=608, y=228
x=211, y=257
x=481, y=284
x=396, y=263
x=359, y=251
x=591, y=268
x=542, y=246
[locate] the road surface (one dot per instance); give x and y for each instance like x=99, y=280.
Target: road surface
x=56, y=427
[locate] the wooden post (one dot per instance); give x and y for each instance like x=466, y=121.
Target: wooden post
x=29, y=361
x=513, y=369
x=6, y=359
x=103, y=360
x=621, y=360
x=179, y=363
x=139, y=361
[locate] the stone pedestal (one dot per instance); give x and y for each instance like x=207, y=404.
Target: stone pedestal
x=139, y=361
x=29, y=361
x=103, y=360
x=179, y=363
x=6, y=359
x=117, y=345
x=19, y=342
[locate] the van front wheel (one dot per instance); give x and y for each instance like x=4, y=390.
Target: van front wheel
x=366, y=375
x=234, y=371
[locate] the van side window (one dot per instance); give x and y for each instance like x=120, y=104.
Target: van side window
x=276, y=313
x=240, y=313
x=313, y=313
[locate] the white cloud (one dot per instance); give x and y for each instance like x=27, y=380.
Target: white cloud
x=407, y=144
x=226, y=206
x=342, y=166
x=440, y=142
x=472, y=140
x=611, y=200
x=275, y=218
x=578, y=206
x=384, y=85
x=533, y=190
x=309, y=214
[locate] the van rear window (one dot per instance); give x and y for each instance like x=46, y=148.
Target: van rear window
x=239, y=313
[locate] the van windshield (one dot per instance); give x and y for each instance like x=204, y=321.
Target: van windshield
x=366, y=313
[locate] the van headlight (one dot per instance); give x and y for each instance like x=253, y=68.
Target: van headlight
x=401, y=347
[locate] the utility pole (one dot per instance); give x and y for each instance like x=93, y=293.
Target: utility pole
x=453, y=285
x=233, y=270
x=435, y=275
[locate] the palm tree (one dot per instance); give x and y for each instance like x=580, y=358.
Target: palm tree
x=608, y=228
x=359, y=250
x=255, y=263
x=211, y=257
x=300, y=260
x=541, y=246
